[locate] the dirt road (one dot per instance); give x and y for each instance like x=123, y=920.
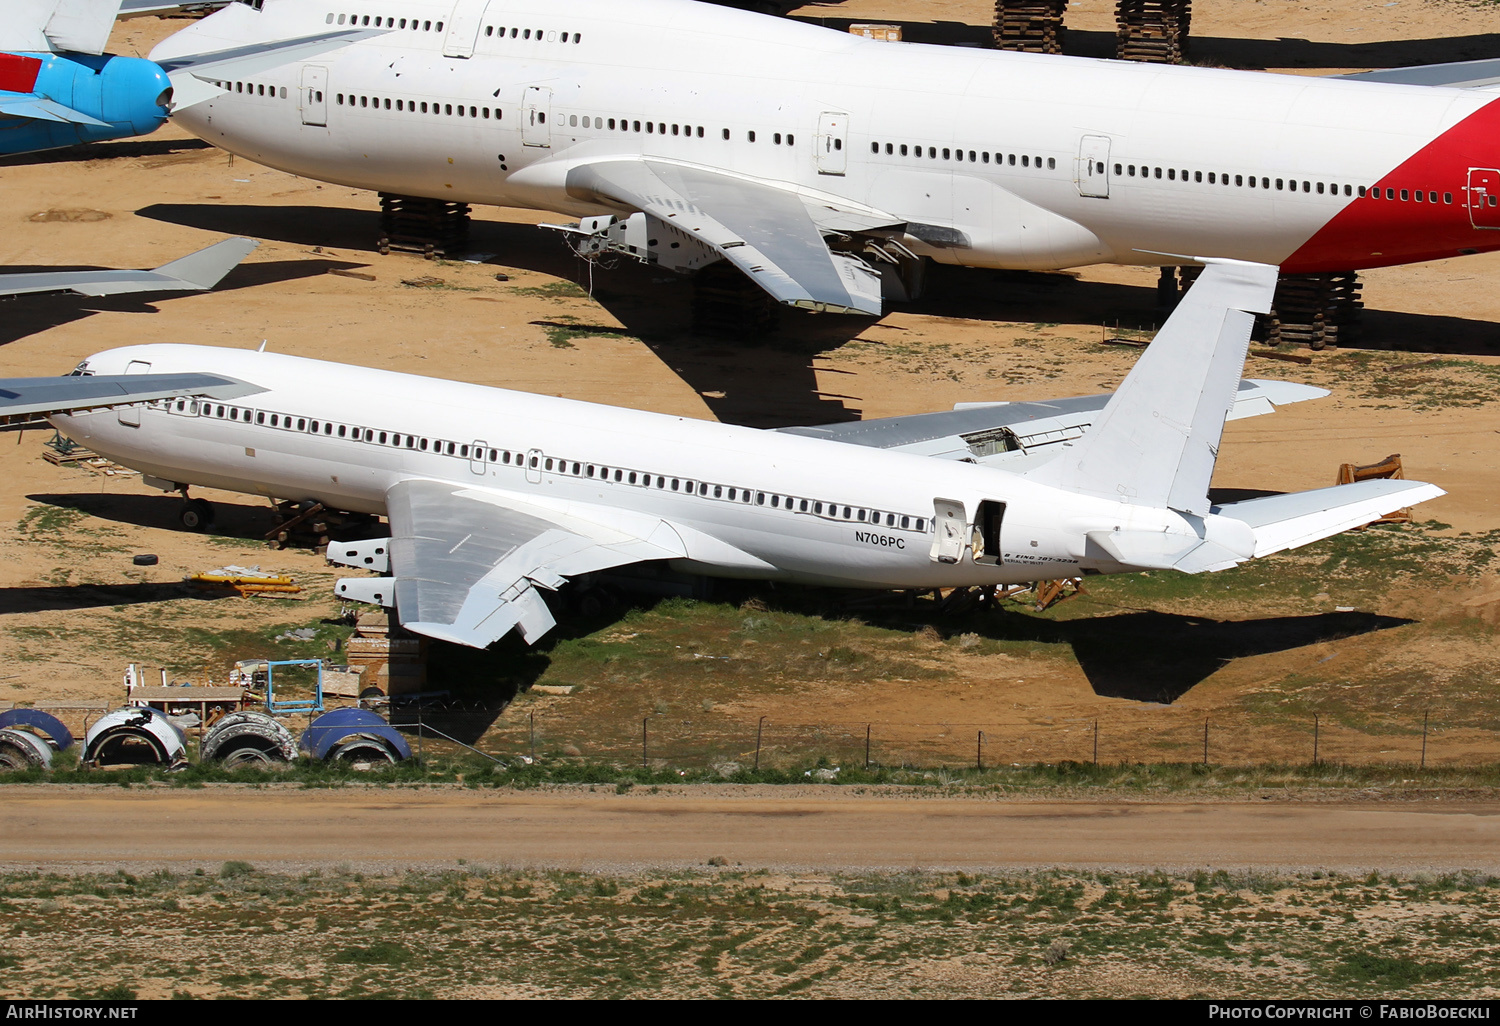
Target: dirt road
x=813, y=828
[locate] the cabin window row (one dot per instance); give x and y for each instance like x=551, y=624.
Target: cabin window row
x=381, y=21
x=504, y=457
x=254, y=89
x=415, y=106
x=972, y=156
x=491, y=31
x=330, y=429
x=726, y=493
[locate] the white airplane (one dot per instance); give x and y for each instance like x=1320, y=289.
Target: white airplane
x=820, y=163
x=493, y=495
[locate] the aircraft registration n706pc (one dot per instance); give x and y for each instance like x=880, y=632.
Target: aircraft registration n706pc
x=684, y=133
x=493, y=494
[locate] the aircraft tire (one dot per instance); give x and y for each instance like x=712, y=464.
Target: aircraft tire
x=196, y=515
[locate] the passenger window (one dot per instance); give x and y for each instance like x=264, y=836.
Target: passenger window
x=1405, y=195
x=1051, y=163
x=1447, y=197
x=903, y=149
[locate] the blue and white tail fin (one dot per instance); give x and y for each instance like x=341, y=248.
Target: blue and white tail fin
x=1156, y=441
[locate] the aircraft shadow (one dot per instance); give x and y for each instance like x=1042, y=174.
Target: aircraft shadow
x=87, y=596
x=231, y=519
x=32, y=314
x=1150, y=656
x=107, y=151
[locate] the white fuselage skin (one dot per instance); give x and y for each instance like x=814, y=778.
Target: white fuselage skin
x=344, y=435
x=1018, y=160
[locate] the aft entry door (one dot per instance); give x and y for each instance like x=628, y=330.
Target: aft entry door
x=950, y=531
x=1092, y=167
x=833, y=138
x=463, y=28
x=476, y=457
x=130, y=416
x=1484, y=197
x=535, y=113
x=312, y=101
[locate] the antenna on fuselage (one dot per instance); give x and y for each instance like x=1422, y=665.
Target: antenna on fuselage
x=262, y=347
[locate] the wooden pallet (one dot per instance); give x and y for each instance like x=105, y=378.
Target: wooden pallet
x=1030, y=26
x=1155, y=31
x=431, y=227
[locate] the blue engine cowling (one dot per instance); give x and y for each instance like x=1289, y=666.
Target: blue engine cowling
x=131, y=95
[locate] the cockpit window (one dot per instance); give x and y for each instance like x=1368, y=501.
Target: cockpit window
x=81, y=371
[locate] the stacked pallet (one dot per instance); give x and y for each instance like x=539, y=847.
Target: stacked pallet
x=387, y=657
x=1316, y=310
x=431, y=227
x=1152, y=30
x=1032, y=26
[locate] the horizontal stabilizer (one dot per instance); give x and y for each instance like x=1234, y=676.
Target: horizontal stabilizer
x=1298, y=518
x=43, y=109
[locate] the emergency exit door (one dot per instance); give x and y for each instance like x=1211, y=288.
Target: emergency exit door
x=311, y=99
x=1092, y=167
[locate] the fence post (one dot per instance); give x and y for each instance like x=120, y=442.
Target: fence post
x=533, y=737
x=1315, y=740
x=644, y=763
x=1425, y=714
x=979, y=752
x=1205, y=742
x=1096, y=742
x=760, y=724
x=867, y=746
x=420, y=732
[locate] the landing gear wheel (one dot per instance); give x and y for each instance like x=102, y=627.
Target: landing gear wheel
x=196, y=515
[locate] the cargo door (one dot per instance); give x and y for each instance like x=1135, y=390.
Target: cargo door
x=130, y=416
x=311, y=99
x=1091, y=169
x=832, y=142
x=1484, y=197
x=463, y=28
x=535, y=113
x=950, y=531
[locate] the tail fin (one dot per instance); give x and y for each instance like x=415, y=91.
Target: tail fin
x=1157, y=439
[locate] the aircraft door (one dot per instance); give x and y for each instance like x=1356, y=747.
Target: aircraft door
x=534, y=466
x=312, y=101
x=463, y=28
x=1091, y=169
x=1484, y=197
x=476, y=456
x=985, y=540
x=130, y=416
x=833, y=138
x=950, y=531
x=535, y=112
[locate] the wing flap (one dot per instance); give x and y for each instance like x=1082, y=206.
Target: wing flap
x=468, y=561
x=765, y=231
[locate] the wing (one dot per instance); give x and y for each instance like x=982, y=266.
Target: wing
x=1461, y=75
x=23, y=400
x=765, y=231
x=1018, y=436
x=195, y=272
x=466, y=563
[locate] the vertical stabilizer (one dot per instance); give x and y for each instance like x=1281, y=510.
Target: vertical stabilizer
x=1156, y=441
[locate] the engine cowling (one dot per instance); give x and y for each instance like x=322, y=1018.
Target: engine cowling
x=131, y=96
